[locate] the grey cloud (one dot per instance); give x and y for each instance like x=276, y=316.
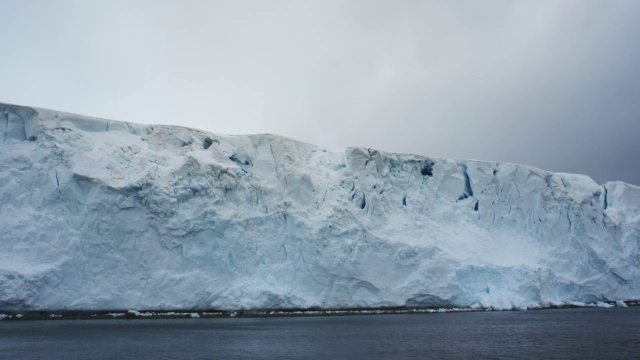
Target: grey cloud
x=550, y=84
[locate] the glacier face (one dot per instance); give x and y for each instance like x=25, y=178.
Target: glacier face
x=101, y=214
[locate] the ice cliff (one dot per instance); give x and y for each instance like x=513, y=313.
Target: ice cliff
x=102, y=214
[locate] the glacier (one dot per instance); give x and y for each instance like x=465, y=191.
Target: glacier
x=103, y=214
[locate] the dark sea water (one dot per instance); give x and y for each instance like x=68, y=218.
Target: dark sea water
x=542, y=334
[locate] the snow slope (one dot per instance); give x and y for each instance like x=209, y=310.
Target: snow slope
x=101, y=214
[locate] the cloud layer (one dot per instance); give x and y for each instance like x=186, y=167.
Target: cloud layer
x=550, y=84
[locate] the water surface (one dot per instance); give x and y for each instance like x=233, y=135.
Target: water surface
x=550, y=334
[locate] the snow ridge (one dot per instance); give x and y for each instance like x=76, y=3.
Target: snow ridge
x=102, y=214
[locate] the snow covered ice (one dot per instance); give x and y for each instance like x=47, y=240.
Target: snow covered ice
x=102, y=214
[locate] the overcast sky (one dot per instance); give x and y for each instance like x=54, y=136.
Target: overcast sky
x=552, y=84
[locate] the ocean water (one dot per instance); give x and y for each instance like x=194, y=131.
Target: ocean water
x=542, y=334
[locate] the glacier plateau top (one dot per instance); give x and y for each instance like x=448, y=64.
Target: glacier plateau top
x=101, y=214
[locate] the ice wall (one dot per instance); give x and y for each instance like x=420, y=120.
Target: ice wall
x=101, y=214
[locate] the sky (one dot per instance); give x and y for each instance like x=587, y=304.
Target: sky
x=551, y=84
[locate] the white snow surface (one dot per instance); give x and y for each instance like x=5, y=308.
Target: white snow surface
x=102, y=214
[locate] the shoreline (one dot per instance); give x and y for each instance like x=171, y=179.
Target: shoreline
x=257, y=313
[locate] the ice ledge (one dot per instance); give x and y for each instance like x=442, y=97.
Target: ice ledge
x=101, y=214
x=196, y=314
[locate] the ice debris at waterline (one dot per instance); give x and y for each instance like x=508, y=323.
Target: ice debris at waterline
x=102, y=214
